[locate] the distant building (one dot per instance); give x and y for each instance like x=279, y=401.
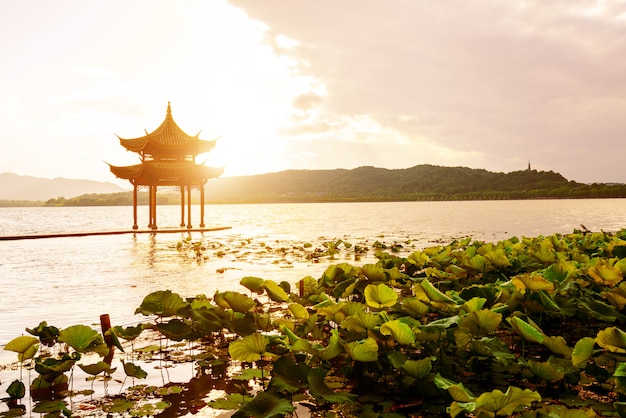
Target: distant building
x=167, y=159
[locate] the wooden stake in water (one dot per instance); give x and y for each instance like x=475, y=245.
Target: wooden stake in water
x=105, y=324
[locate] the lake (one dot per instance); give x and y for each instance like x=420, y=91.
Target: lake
x=67, y=281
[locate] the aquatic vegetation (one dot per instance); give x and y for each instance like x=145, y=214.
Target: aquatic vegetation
x=522, y=327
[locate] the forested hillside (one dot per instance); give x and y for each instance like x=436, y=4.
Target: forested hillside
x=423, y=182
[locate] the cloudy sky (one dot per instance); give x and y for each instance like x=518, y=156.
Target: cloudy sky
x=317, y=84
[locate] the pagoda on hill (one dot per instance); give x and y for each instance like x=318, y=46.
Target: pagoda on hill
x=168, y=157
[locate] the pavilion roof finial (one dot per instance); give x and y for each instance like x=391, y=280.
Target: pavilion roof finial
x=169, y=111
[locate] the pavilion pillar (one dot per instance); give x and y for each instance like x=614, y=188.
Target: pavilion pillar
x=189, y=207
x=202, y=206
x=135, y=226
x=182, y=205
x=154, y=207
x=150, y=215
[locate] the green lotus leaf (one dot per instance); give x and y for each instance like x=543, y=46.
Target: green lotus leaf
x=265, y=405
x=25, y=346
x=361, y=322
x=298, y=311
x=128, y=333
x=54, y=365
x=582, y=351
x=97, y=368
x=419, y=259
x=560, y=271
x=118, y=406
x=399, y=331
x=603, y=274
x=83, y=339
x=612, y=339
x=132, y=370
x=616, y=296
x=328, y=352
x=246, y=324
x=558, y=345
x=220, y=301
x=239, y=302
x=254, y=284
x=208, y=320
x=545, y=253
x=380, y=296
x=433, y=294
x=397, y=359
x=345, y=288
x=474, y=304
x=532, y=282
x=47, y=334
x=16, y=390
x=441, y=325
x=353, y=308
x=363, y=350
x=275, y=292
x=498, y=403
x=418, y=369
x=289, y=376
x=321, y=391
x=415, y=307
x=457, y=391
x=600, y=310
x=250, y=348
x=176, y=330
x=620, y=370
x=162, y=303
x=374, y=273
x=481, y=323
x=526, y=330
x=199, y=302
x=476, y=263
x=46, y=407
x=497, y=258
x=546, y=371
x=230, y=401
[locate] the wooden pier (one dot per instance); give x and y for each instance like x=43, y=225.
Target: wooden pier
x=118, y=232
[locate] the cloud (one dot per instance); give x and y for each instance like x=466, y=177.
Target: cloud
x=500, y=81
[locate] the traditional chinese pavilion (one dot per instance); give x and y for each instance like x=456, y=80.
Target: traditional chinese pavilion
x=168, y=158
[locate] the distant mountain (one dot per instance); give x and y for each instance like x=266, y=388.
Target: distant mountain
x=17, y=187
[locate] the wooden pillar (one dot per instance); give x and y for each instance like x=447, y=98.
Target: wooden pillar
x=182, y=205
x=135, y=226
x=150, y=218
x=189, y=226
x=154, y=208
x=202, y=206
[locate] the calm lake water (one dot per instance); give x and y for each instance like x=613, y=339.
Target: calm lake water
x=67, y=281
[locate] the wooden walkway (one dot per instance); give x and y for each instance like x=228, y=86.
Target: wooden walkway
x=119, y=232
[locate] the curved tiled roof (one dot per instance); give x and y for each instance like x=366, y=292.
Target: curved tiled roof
x=168, y=140
x=166, y=173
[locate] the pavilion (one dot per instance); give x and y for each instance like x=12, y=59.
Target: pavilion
x=168, y=158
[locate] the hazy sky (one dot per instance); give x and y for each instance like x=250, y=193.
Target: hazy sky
x=317, y=84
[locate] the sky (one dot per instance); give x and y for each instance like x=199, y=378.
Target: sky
x=322, y=84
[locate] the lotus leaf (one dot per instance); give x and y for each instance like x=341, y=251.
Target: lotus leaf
x=25, y=346
x=363, y=350
x=532, y=282
x=250, y=348
x=16, y=390
x=97, y=368
x=374, y=273
x=275, y=292
x=208, y=320
x=288, y=375
x=457, y=391
x=545, y=254
x=456, y=271
x=328, y=352
x=617, y=296
x=132, y=370
x=600, y=310
x=46, y=407
x=419, y=259
x=560, y=271
x=415, y=307
x=380, y=296
x=254, y=284
x=505, y=403
x=582, y=351
x=298, y=311
x=353, y=308
x=47, y=333
x=482, y=322
x=399, y=331
x=497, y=258
x=476, y=263
x=128, y=333
x=474, y=304
x=433, y=294
x=526, y=330
x=239, y=302
x=54, y=366
x=612, y=339
x=603, y=274
x=546, y=371
x=265, y=405
x=176, y=330
x=83, y=339
x=320, y=390
x=361, y=322
x=162, y=303
x=558, y=345
x=418, y=369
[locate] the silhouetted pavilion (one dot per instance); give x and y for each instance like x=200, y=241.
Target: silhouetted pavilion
x=167, y=159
